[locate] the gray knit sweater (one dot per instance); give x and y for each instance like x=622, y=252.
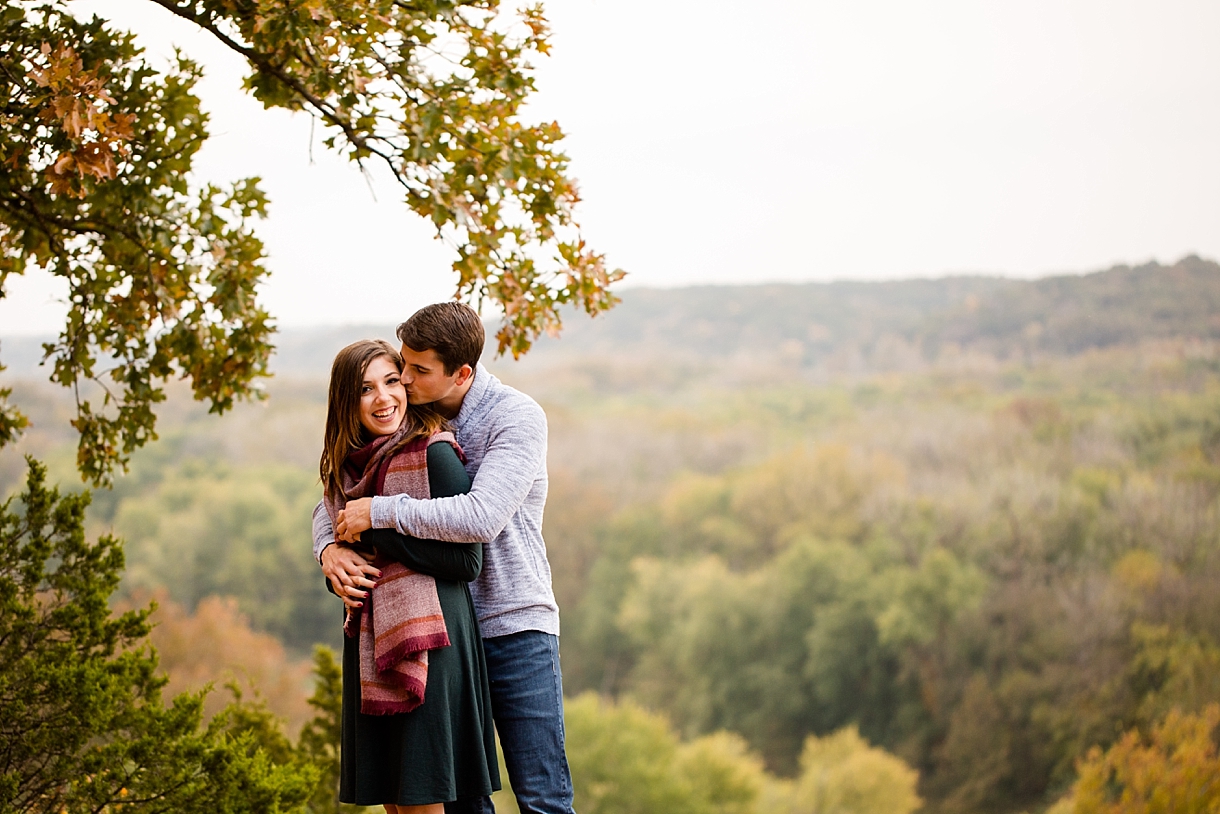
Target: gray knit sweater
x=503, y=433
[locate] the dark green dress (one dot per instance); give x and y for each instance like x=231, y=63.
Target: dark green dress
x=445, y=748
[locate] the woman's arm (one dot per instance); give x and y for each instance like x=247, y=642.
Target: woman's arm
x=464, y=561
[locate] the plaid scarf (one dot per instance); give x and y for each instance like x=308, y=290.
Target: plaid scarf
x=394, y=640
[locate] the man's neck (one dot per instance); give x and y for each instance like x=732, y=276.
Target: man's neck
x=451, y=404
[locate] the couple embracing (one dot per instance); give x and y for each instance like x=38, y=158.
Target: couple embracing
x=431, y=533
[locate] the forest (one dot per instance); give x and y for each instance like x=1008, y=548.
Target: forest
x=947, y=545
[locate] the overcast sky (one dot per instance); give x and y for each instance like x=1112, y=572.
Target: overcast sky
x=722, y=142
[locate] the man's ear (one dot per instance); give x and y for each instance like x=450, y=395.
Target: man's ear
x=463, y=375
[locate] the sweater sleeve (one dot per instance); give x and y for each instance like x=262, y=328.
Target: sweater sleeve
x=516, y=452
x=323, y=531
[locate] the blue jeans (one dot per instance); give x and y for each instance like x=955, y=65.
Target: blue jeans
x=527, y=706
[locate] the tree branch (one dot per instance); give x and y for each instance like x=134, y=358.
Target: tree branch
x=264, y=64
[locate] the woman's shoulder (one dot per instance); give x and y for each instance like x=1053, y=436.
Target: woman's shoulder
x=442, y=446
x=446, y=473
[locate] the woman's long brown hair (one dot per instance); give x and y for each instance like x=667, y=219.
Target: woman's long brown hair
x=344, y=432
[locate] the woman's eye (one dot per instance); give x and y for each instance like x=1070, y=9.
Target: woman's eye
x=393, y=381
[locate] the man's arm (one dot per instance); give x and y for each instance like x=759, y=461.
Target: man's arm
x=323, y=531
x=506, y=474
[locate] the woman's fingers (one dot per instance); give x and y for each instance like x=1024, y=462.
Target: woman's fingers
x=349, y=573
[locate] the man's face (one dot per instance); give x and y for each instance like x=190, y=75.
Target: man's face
x=425, y=378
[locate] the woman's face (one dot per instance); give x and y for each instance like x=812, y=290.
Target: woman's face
x=383, y=398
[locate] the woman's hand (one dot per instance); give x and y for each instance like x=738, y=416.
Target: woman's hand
x=350, y=574
x=353, y=519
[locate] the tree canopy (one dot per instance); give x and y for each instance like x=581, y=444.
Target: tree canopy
x=97, y=146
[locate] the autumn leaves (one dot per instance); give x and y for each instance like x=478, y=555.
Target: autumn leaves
x=77, y=104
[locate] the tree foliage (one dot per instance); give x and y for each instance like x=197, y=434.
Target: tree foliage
x=97, y=147
x=842, y=774
x=82, y=725
x=215, y=647
x=985, y=572
x=231, y=527
x=320, y=737
x=1174, y=770
x=625, y=760
x=433, y=91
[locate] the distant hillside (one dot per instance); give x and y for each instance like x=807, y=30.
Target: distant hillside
x=1066, y=315
x=842, y=324
x=814, y=322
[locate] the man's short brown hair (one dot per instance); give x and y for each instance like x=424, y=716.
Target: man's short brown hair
x=452, y=329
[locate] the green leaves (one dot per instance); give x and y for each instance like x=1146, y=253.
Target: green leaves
x=81, y=719
x=12, y=421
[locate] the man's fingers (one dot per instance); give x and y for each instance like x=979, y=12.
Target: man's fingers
x=345, y=578
x=363, y=570
x=351, y=598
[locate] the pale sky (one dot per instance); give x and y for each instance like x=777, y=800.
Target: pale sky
x=722, y=142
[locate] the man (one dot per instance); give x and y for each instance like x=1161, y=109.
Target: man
x=504, y=435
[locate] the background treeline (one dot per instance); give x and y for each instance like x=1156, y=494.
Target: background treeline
x=970, y=522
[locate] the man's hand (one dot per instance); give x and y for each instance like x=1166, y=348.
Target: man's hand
x=353, y=519
x=350, y=574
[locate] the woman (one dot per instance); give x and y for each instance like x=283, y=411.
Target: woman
x=443, y=748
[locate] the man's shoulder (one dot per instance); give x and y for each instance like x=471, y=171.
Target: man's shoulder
x=507, y=400
x=502, y=407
